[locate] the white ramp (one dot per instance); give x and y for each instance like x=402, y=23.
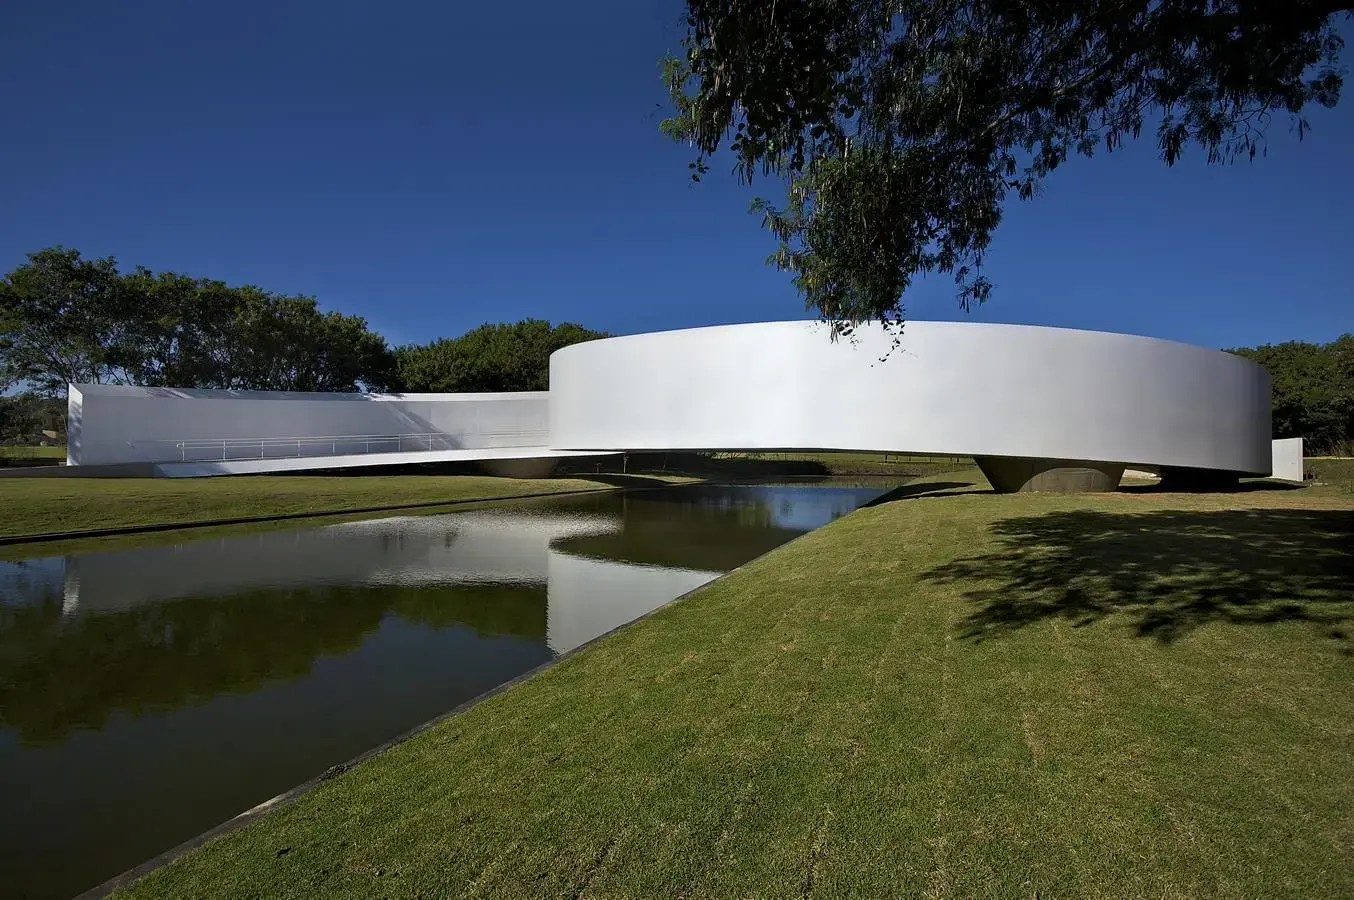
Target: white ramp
x=203, y=468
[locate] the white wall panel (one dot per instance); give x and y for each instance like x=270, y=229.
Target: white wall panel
x=1287, y=459
x=116, y=424
x=958, y=388
x=953, y=388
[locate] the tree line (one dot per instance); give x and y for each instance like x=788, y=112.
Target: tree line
x=1312, y=392
x=66, y=319
x=27, y=419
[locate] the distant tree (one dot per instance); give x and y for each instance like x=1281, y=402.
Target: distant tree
x=503, y=357
x=285, y=343
x=65, y=319
x=899, y=127
x=1313, y=390
x=24, y=417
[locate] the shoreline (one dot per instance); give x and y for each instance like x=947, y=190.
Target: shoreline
x=290, y=796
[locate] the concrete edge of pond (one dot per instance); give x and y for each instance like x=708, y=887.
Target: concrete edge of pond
x=288, y=797
x=117, y=531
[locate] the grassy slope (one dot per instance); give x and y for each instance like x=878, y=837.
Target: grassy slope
x=1337, y=473
x=16, y=451
x=41, y=505
x=1127, y=695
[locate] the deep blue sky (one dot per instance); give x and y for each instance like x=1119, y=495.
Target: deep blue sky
x=435, y=165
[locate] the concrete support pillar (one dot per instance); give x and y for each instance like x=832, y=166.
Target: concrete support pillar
x=1010, y=474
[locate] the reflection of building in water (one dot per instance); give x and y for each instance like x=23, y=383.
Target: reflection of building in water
x=477, y=596
x=584, y=596
x=588, y=597
x=410, y=551
x=158, y=628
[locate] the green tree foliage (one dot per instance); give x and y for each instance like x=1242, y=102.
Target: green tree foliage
x=24, y=418
x=502, y=357
x=66, y=319
x=1313, y=391
x=899, y=127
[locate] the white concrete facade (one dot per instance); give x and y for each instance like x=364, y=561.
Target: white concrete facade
x=991, y=391
x=113, y=424
x=947, y=387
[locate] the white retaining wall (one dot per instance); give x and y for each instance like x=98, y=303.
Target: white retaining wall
x=1287, y=459
x=116, y=424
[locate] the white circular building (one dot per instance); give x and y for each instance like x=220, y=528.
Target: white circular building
x=1040, y=408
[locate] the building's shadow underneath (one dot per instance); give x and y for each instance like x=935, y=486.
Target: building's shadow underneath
x=1169, y=572
x=1246, y=486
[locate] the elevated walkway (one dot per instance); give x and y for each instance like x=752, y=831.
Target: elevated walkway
x=258, y=466
x=204, y=457
x=1038, y=408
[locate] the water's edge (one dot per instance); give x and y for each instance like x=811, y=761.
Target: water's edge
x=53, y=536
x=291, y=796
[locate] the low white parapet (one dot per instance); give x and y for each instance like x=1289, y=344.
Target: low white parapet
x=115, y=424
x=1287, y=459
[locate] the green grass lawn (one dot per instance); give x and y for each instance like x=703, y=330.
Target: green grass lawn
x=1337, y=473
x=33, y=452
x=947, y=695
x=43, y=505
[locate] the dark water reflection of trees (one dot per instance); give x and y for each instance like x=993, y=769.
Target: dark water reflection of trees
x=150, y=692
x=148, y=630
x=59, y=673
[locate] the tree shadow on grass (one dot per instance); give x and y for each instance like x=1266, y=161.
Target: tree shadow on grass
x=1169, y=572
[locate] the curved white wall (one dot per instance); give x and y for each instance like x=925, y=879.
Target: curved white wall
x=949, y=387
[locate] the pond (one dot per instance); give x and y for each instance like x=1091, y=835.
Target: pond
x=149, y=693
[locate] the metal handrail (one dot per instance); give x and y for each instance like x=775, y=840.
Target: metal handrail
x=315, y=445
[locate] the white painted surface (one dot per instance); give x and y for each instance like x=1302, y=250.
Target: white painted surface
x=1287, y=459
x=955, y=388
x=350, y=461
x=948, y=387
x=116, y=424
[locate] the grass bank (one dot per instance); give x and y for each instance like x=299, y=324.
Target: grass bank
x=16, y=455
x=948, y=695
x=46, y=505
x=1332, y=472
x=31, y=451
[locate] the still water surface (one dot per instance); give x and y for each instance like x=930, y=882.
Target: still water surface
x=147, y=694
